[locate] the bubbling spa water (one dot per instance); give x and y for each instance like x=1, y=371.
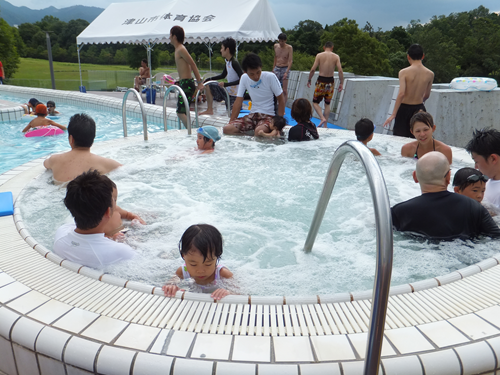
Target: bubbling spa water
x=262, y=197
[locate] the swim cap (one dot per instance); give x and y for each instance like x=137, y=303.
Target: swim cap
x=33, y=102
x=41, y=109
x=209, y=132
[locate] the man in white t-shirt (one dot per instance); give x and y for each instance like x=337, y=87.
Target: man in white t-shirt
x=484, y=148
x=262, y=87
x=91, y=199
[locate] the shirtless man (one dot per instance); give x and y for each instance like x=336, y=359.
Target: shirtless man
x=143, y=74
x=415, y=83
x=185, y=64
x=327, y=62
x=66, y=166
x=283, y=59
x=41, y=120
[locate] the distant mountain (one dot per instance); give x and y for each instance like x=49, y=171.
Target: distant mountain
x=18, y=15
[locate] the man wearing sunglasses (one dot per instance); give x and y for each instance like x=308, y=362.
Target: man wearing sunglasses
x=51, y=108
x=437, y=213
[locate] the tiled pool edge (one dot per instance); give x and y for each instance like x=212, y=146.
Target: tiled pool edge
x=44, y=346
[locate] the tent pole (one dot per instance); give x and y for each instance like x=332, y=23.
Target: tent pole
x=78, y=48
x=149, y=48
x=237, y=45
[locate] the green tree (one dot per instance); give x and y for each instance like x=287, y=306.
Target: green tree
x=9, y=55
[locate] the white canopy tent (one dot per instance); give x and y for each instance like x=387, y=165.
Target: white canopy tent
x=208, y=22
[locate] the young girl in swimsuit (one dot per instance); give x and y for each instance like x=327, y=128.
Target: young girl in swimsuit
x=201, y=248
x=422, y=127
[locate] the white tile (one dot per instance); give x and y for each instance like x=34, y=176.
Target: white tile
x=13, y=290
x=7, y=363
x=231, y=368
x=443, y=362
x=495, y=344
x=105, y=329
x=278, y=369
x=7, y=319
x=160, y=341
x=80, y=352
x=76, y=320
x=212, y=346
x=180, y=342
x=51, y=342
x=28, y=302
x=408, y=340
x=26, y=361
x=407, y=365
x=76, y=371
x=359, y=341
x=252, y=348
x=491, y=314
x=320, y=369
x=443, y=334
x=147, y=364
x=5, y=279
x=476, y=358
x=49, y=366
x=190, y=367
x=50, y=311
x=332, y=348
x=25, y=332
x=138, y=337
x=114, y=361
x=292, y=349
x=356, y=368
x=473, y=326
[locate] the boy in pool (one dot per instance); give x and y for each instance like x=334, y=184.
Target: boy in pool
x=200, y=248
x=51, y=108
x=30, y=106
x=206, y=138
x=277, y=124
x=41, y=120
x=364, y=133
x=471, y=183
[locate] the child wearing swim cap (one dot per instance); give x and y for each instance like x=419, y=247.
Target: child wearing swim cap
x=41, y=120
x=201, y=249
x=206, y=138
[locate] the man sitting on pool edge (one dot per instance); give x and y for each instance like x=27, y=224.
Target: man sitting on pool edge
x=261, y=86
x=438, y=213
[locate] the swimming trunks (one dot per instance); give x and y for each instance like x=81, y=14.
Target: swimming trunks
x=280, y=73
x=324, y=90
x=189, y=88
x=415, y=156
x=403, y=117
x=248, y=123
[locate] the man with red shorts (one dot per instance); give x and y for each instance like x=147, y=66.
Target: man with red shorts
x=327, y=61
x=261, y=86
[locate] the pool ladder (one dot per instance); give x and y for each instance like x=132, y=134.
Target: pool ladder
x=384, y=240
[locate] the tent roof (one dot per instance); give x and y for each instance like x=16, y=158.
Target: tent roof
x=202, y=21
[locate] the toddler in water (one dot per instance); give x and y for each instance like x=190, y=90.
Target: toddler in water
x=201, y=249
x=277, y=124
x=364, y=133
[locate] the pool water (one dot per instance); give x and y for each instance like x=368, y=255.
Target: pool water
x=15, y=149
x=261, y=196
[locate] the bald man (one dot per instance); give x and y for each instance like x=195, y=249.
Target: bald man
x=438, y=213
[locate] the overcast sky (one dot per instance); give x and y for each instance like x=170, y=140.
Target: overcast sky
x=385, y=14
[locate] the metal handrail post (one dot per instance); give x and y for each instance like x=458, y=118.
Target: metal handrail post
x=186, y=104
x=143, y=112
x=383, y=222
x=228, y=104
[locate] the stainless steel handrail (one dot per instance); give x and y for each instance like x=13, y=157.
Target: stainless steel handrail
x=228, y=104
x=124, y=113
x=186, y=104
x=384, y=240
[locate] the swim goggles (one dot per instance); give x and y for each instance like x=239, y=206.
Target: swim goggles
x=476, y=178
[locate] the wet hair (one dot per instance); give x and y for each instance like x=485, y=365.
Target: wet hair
x=423, y=117
x=329, y=44
x=205, y=238
x=231, y=44
x=251, y=61
x=144, y=61
x=484, y=142
x=82, y=127
x=88, y=197
x=416, y=52
x=178, y=32
x=461, y=178
x=51, y=102
x=301, y=110
x=282, y=36
x=33, y=102
x=363, y=129
x=279, y=122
